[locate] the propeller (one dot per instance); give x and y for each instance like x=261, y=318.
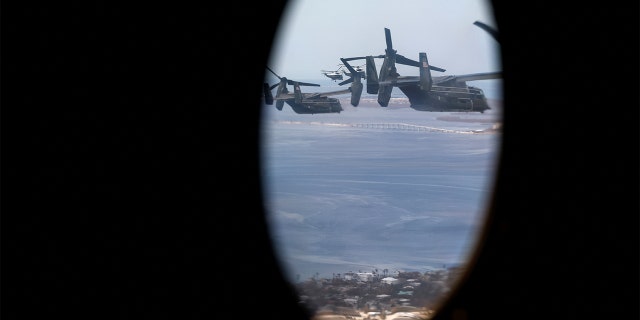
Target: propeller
x=387, y=38
x=400, y=58
x=291, y=82
x=361, y=58
x=388, y=72
x=408, y=62
x=493, y=32
x=282, y=88
x=353, y=72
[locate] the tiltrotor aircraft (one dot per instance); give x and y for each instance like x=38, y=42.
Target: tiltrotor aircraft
x=308, y=103
x=425, y=93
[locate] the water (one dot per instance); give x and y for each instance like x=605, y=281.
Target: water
x=342, y=196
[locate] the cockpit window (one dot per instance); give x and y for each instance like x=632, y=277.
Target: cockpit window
x=377, y=180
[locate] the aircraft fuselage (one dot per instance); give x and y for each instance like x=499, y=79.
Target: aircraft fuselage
x=444, y=98
x=317, y=105
x=334, y=76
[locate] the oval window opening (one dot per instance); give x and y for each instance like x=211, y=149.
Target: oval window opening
x=379, y=144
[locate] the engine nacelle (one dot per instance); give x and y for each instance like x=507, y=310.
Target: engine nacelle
x=356, y=92
x=268, y=96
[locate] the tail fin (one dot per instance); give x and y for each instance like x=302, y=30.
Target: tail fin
x=372, y=76
x=425, y=74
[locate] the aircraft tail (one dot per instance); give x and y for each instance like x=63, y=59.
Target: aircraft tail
x=425, y=74
x=372, y=76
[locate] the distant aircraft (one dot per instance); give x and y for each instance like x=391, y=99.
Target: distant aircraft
x=333, y=75
x=358, y=69
x=425, y=93
x=307, y=103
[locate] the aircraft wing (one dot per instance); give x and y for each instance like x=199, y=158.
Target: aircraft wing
x=285, y=96
x=307, y=95
x=403, y=80
x=478, y=76
x=331, y=93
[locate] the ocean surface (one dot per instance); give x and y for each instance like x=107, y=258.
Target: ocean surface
x=377, y=188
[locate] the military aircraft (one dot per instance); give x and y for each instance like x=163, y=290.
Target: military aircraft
x=425, y=93
x=357, y=69
x=333, y=75
x=308, y=103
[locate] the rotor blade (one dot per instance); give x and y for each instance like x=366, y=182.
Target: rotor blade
x=273, y=73
x=349, y=67
x=291, y=82
x=353, y=58
x=353, y=71
x=493, y=32
x=406, y=61
x=387, y=35
x=346, y=81
x=361, y=58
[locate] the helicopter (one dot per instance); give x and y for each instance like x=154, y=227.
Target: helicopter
x=309, y=103
x=425, y=93
x=333, y=75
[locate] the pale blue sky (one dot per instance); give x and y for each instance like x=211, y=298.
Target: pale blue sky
x=314, y=34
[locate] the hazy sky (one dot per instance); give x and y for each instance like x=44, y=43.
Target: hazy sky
x=314, y=34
